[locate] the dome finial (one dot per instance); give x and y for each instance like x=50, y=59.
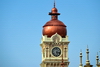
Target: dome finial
x=54, y=4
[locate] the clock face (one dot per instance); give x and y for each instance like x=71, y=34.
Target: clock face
x=56, y=51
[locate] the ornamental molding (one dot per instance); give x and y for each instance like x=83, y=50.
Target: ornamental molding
x=56, y=38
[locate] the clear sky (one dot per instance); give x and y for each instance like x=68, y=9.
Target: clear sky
x=21, y=24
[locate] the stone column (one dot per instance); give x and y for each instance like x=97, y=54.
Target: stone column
x=65, y=52
x=45, y=52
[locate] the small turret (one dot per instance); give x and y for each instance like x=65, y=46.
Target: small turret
x=87, y=59
x=81, y=65
x=97, y=60
x=87, y=56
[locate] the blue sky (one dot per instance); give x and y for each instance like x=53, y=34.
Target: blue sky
x=21, y=24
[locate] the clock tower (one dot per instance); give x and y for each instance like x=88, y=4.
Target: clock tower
x=54, y=42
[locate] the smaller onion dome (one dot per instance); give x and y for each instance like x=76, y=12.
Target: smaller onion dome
x=54, y=10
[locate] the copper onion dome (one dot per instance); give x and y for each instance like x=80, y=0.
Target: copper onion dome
x=54, y=25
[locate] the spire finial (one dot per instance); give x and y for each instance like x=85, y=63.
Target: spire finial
x=97, y=53
x=87, y=46
x=54, y=4
x=81, y=50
